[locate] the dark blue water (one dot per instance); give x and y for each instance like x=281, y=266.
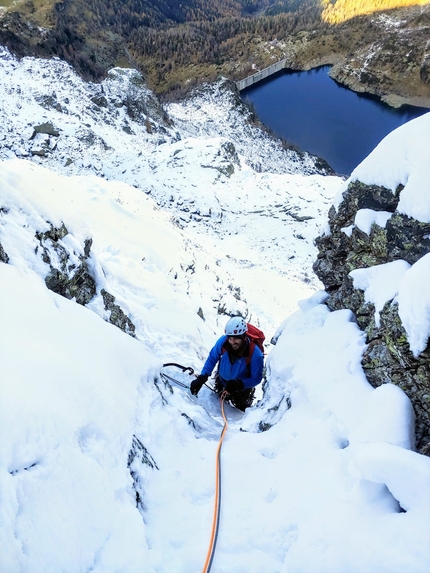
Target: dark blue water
x=318, y=115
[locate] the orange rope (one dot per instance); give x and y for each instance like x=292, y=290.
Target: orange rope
x=217, y=505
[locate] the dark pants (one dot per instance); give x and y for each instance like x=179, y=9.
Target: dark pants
x=240, y=400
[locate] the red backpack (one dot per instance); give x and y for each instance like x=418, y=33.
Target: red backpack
x=256, y=336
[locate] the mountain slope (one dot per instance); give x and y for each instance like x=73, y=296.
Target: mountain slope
x=105, y=465
x=339, y=11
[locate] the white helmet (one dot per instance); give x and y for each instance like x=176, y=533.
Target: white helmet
x=236, y=326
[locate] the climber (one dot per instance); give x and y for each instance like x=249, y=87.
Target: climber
x=240, y=365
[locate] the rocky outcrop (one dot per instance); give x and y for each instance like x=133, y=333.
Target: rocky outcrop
x=3, y=255
x=140, y=103
x=388, y=357
x=69, y=275
x=116, y=314
x=225, y=160
x=44, y=139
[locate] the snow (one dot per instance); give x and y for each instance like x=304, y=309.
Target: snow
x=68, y=406
x=394, y=424
x=365, y=218
x=414, y=304
x=105, y=465
x=179, y=163
x=380, y=283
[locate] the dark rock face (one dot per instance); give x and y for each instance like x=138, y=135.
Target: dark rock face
x=67, y=277
x=339, y=254
x=388, y=357
x=117, y=315
x=407, y=238
x=71, y=274
x=81, y=286
x=47, y=128
x=138, y=458
x=3, y=255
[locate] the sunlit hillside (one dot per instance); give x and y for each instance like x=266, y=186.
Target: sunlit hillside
x=342, y=10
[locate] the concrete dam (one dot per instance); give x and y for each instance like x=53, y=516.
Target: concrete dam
x=261, y=75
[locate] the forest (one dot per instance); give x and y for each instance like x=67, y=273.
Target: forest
x=176, y=45
x=214, y=47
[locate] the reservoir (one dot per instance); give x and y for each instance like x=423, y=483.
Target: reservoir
x=318, y=115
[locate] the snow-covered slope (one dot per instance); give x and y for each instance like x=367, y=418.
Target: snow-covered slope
x=135, y=252
x=223, y=178
x=66, y=431
x=106, y=467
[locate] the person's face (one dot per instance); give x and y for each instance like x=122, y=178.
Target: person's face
x=235, y=342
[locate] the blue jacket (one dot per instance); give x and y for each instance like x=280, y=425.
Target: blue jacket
x=250, y=375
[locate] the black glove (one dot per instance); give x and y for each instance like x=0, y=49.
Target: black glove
x=232, y=386
x=197, y=384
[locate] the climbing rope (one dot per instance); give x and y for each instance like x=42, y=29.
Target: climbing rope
x=217, y=505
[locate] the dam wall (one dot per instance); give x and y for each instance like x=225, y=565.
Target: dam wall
x=261, y=75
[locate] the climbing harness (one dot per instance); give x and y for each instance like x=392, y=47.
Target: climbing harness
x=217, y=504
